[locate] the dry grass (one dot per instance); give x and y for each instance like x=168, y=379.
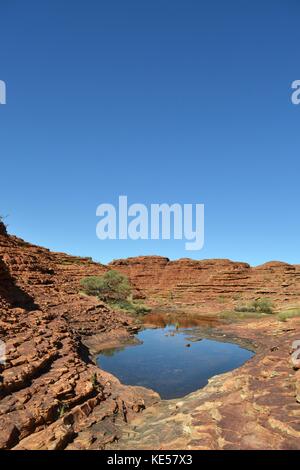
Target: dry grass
x=287, y=314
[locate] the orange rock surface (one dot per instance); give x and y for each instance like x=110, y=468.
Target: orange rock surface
x=53, y=396
x=50, y=390
x=210, y=285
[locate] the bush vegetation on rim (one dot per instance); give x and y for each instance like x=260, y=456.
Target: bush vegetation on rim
x=112, y=286
x=262, y=305
x=114, y=289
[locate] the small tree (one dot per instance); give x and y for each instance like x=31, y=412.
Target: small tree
x=111, y=286
x=263, y=305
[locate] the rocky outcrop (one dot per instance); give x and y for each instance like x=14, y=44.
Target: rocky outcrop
x=51, y=393
x=253, y=407
x=210, y=285
x=53, y=396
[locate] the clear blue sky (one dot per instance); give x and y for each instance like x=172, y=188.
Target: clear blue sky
x=165, y=101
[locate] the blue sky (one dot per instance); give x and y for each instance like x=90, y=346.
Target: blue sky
x=163, y=101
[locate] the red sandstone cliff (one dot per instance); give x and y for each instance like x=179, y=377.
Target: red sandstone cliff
x=53, y=397
x=210, y=285
x=50, y=392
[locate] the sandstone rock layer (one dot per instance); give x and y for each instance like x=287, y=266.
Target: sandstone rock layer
x=52, y=395
x=210, y=285
x=50, y=390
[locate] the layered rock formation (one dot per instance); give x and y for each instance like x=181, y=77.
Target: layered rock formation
x=52, y=396
x=50, y=391
x=210, y=285
x=256, y=406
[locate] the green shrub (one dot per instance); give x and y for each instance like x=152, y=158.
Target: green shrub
x=245, y=308
x=262, y=305
x=234, y=315
x=94, y=381
x=131, y=307
x=62, y=409
x=121, y=304
x=109, y=287
x=284, y=316
x=141, y=309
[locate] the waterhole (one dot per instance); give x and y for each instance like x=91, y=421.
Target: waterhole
x=168, y=361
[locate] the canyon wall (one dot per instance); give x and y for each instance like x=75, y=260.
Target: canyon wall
x=210, y=285
x=51, y=393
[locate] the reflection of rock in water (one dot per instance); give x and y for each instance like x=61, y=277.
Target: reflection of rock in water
x=161, y=320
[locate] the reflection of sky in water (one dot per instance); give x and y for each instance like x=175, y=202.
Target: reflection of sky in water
x=166, y=365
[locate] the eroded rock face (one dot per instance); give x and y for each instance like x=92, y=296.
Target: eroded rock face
x=210, y=285
x=52, y=396
x=50, y=391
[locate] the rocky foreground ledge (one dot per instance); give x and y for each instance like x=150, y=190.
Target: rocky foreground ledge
x=256, y=406
x=52, y=395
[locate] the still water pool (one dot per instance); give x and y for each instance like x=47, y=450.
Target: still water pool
x=171, y=364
